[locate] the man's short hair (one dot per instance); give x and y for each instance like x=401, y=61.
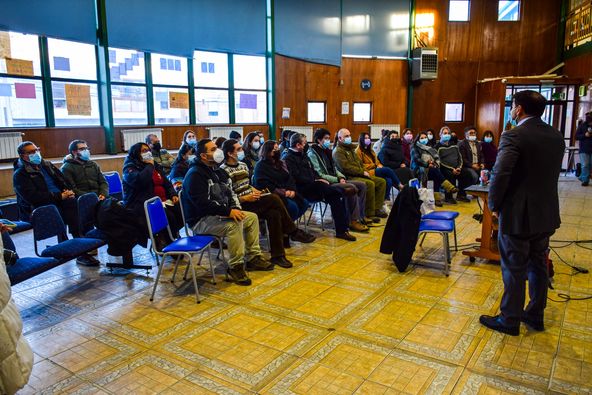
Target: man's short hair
x=228, y=147
x=296, y=138
x=201, y=146
x=149, y=138
x=320, y=134
x=469, y=128
x=235, y=135
x=533, y=103
x=74, y=145
x=21, y=147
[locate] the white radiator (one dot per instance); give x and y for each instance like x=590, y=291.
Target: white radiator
x=9, y=142
x=224, y=131
x=305, y=130
x=376, y=129
x=130, y=137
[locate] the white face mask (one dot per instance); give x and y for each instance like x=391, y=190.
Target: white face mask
x=218, y=156
x=147, y=156
x=190, y=158
x=472, y=138
x=256, y=145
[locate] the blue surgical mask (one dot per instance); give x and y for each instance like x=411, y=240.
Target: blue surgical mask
x=326, y=144
x=240, y=155
x=35, y=158
x=190, y=158
x=445, y=138
x=84, y=155
x=423, y=141
x=488, y=139
x=256, y=145
x=261, y=140
x=347, y=140
x=191, y=142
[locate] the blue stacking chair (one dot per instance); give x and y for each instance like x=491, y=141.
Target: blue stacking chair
x=47, y=222
x=26, y=267
x=443, y=228
x=115, y=185
x=443, y=216
x=187, y=246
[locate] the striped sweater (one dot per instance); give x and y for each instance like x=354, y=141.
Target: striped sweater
x=239, y=175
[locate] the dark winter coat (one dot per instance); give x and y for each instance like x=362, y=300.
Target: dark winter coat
x=138, y=185
x=84, y=176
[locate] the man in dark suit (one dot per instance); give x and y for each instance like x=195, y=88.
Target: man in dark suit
x=523, y=194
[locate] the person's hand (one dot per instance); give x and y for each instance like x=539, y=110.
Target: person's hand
x=495, y=215
x=290, y=194
x=175, y=199
x=588, y=134
x=101, y=197
x=323, y=181
x=366, y=174
x=403, y=165
x=4, y=228
x=401, y=186
x=431, y=164
x=236, y=215
x=476, y=167
x=456, y=172
x=379, y=166
x=342, y=181
x=67, y=194
x=248, y=198
x=482, y=166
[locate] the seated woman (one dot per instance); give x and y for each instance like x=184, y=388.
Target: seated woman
x=489, y=150
x=391, y=155
x=251, y=148
x=267, y=206
x=190, y=139
x=407, y=142
x=450, y=162
x=181, y=165
x=271, y=173
x=373, y=166
x=144, y=179
x=425, y=162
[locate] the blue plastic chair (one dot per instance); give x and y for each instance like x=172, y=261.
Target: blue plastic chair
x=115, y=185
x=443, y=216
x=47, y=222
x=187, y=246
x=26, y=267
x=443, y=228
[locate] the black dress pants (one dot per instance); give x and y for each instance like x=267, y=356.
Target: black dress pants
x=317, y=191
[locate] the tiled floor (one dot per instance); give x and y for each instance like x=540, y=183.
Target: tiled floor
x=343, y=320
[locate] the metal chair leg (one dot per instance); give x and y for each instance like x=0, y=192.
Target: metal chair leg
x=447, y=262
x=211, y=265
x=194, y=281
x=423, y=236
x=157, y=278
x=455, y=243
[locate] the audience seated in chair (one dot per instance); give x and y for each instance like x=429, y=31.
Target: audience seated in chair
x=181, y=166
x=160, y=155
x=472, y=155
x=83, y=174
x=451, y=166
x=391, y=155
x=252, y=148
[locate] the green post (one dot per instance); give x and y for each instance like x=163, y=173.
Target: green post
x=192, y=117
x=149, y=88
x=270, y=69
x=231, y=104
x=46, y=83
x=104, y=78
x=410, y=63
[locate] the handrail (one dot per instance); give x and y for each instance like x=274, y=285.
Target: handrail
x=578, y=26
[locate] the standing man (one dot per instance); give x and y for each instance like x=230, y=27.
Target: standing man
x=523, y=194
x=584, y=136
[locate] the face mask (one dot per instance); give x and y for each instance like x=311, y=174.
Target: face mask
x=191, y=158
x=472, y=138
x=35, y=158
x=240, y=155
x=191, y=142
x=256, y=145
x=326, y=144
x=394, y=139
x=488, y=139
x=84, y=155
x=445, y=138
x=147, y=156
x=367, y=142
x=261, y=140
x=218, y=156
x=408, y=137
x=347, y=140
x=430, y=137
x=423, y=141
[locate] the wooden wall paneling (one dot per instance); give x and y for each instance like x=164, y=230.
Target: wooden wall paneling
x=490, y=105
x=579, y=67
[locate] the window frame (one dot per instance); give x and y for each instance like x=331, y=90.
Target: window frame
x=519, y=11
x=134, y=84
x=468, y=12
x=324, y=103
x=354, y=112
x=463, y=111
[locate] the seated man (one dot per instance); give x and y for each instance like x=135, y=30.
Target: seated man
x=349, y=164
x=267, y=206
x=159, y=154
x=313, y=187
x=38, y=182
x=82, y=173
x=212, y=207
x=472, y=157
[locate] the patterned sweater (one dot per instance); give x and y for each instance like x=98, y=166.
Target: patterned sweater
x=239, y=175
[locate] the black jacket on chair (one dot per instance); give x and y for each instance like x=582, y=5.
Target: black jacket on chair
x=524, y=185
x=402, y=228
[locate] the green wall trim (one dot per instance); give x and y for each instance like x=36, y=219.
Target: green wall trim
x=46, y=82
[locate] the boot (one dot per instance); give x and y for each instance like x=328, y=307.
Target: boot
x=438, y=199
x=449, y=187
x=449, y=198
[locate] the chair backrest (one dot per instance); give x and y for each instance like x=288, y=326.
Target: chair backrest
x=156, y=218
x=47, y=222
x=87, y=205
x=114, y=181
x=188, y=231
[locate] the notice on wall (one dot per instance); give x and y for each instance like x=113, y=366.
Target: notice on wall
x=4, y=45
x=19, y=67
x=286, y=113
x=78, y=99
x=248, y=101
x=5, y=90
x=178, y=100
x=24, y=90
x=344, y=107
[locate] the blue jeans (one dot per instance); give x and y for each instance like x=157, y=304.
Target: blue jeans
x=390, y=177
x=294, y=209
x=585, y=160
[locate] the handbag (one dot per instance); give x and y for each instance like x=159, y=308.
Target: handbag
x=428, y=203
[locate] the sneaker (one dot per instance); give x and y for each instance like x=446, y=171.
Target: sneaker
x=281, y=261
x=381, y=214
x=357, y=226
x=238, y=275
x=463, y=198
x=346, y=236
x=87, y=260
x=302, y=236
x=259, y=263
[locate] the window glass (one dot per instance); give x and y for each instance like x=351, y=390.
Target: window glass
x=169, y=70
x=19, y=54
x=21, y=103
x=171, y=105
x=129, y=105
x=316, y=112
x=249, y=72
x=362, y=112
x=210, y=69
x=211, y=106
x=68, y=59
x=454, y=112
x=75, y=104
x=250, y=107
x=126, y=65
x=458, y=10
x=508, y=10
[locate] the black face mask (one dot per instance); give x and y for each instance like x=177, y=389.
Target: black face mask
x=156, y=146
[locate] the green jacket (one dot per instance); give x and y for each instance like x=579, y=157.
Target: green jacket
x=321, y=168
x=347, y=161
x=84, y=177
x=164, y=159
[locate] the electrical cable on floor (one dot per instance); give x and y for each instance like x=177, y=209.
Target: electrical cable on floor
x=576, y=270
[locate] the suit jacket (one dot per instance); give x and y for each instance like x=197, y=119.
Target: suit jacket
x=523, y=189
x=467, y=155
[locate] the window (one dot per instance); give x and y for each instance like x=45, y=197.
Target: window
x=454, y=112
x=316, y=112
x=210, y=69
x=127, y=71
x=250, y=106
x=249, y=73
x=211, y=106
x=127, y=66
x=73, y=70
x=459, y=10
x=362, y=112
x=508, y=10
x=169, y=70
x=171, y=94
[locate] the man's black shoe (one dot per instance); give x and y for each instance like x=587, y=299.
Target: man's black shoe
x=281, y=261
x=463, y=198
x=302, y=236
x=258, y=263
x=346, y=236
x=532, y=324
x=238, y=275
x=585, y=183
x=87, y=260
x=493, y=322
